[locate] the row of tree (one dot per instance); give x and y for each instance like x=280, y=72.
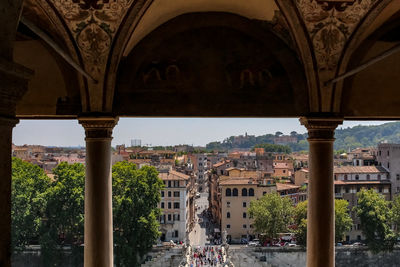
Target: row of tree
x=380, y=219
x=50, y=212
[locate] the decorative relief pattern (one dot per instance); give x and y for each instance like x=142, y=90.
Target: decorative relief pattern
x=93, y=24
x=330, y=23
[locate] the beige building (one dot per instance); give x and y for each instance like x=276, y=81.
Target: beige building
x=301, y=176
x=236, y=195
x=177, y=206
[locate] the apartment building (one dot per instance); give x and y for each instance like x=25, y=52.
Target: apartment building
x=177, y=205
x=351, y=179
x=200, y=168
x=388, y=156
x=236, y=191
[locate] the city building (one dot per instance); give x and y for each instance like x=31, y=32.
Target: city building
x=351, y=179
x=388, y=156
x=177, y=206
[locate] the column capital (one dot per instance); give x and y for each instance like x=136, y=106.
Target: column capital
x=14, y=83
x=98, y=127
x=321, y=128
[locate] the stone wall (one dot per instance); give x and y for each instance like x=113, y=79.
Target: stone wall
x=345, y=256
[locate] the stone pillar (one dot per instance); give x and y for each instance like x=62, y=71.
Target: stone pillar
x=321, y=196
x=13, y=84
x=98, y=251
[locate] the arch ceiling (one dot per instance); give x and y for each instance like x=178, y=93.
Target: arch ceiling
x=307, y=42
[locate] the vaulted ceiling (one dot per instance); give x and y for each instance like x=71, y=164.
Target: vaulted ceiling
x=261, y=58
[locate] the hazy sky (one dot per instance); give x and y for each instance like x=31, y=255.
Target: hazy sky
x=158, y=131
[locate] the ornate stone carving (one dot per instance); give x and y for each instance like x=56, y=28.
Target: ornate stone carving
x=98, y=127
x=320, y=128
x=94, y=24
x=330, y=23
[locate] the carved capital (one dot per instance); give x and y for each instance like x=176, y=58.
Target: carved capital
x=8, y=121
x=320, y=128
x=97, y=128
x=14, y=83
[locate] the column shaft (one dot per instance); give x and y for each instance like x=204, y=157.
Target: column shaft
x=321, y=209
x=98, y=250
x=6, y=126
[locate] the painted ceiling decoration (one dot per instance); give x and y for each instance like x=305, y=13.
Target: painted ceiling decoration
x=330, y=24
x=93, y=24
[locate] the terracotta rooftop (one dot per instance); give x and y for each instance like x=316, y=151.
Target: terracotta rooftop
x=173, y=175
x=239, y=181
x=359, y=169
x=219, y=164
x=361, y=182
x=280, y=187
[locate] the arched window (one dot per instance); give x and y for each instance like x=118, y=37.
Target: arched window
x=251, y=192
x=228, y=215
x=228, y=192
x=235, y=192
x=244, y=192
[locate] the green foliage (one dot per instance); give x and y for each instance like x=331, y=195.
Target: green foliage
x=28, y=199
x=272, y=214
x=375, y=216
x=343, y=221
x=396, y=215
x=274, y=148
x=64, y=215
x=136, y=194
x=300, y=220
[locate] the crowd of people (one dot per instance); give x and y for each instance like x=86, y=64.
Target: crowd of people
x=207, y=256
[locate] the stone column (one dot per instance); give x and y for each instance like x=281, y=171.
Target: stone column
x=321, y=197
x=98, y=251
x=13, y=84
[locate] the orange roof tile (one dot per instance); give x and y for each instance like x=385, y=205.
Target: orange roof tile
x=359, y=169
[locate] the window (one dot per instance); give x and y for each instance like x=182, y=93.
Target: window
x=228, y=204
x=345, y=177
x=380, y=189
x=228, y=192
x=200, y=164
x=162, y=205
x=388, y=165
x=169, y=205
x=335, y=177
x=244, y=215
x=228, y=215
x=176, y=233
x=176, y=205
x=251, y=226
x=244, y=192
x=176, y=194
x=228, y=226
x=244, y=204
x=244, y=226
x=264, y=193
x=169, y=183
x=169, y=193
x=162, y=193
x=379, y=176
x=169, y=217
x=397, y=177
x=368, y=177
x=284, y=171
x=235, y=192
x=357, y=177
x=398, y=189
x=176, y=183
x=251, y=192
x=388, y=153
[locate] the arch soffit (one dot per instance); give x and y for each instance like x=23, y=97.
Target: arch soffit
x=198, y=21
x=45, y=17
x=374, y=19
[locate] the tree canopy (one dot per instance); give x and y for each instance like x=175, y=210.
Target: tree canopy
x=28, y=199
x=343, y=221
x=274, y=148
x=375, y=216
x=64, y=215
x=136, y=194
x=272, y=214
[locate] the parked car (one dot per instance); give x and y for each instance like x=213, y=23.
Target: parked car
x=254, y=243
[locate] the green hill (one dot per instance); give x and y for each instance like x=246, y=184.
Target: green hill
x=346, y=138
